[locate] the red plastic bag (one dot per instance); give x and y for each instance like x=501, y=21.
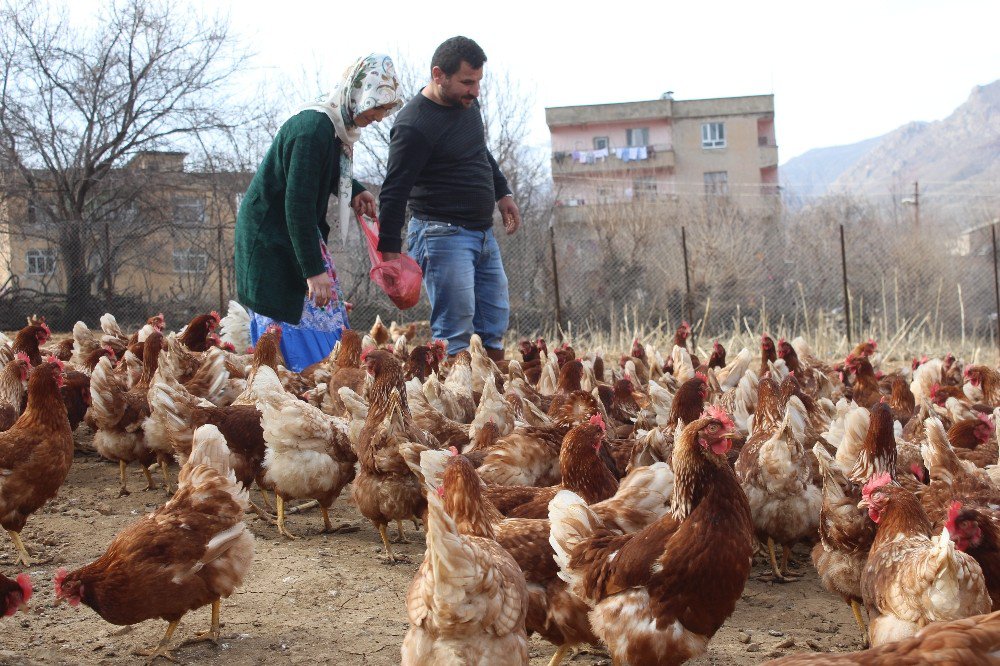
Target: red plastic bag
x=400, y=279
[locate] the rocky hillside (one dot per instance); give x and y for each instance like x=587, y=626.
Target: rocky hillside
x=955, y=159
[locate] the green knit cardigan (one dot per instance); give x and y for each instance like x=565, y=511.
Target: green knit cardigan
x=283, y=215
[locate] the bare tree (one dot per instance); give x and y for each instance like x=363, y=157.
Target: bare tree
x=77, y=105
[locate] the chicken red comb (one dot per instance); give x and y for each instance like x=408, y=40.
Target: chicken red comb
x=985, y=418
x=57, y=581
x=596, y=420
x=366, y=351
x=452, y=450
x=934, y=389
x=53, y=359
x=719, y=414
x=875, y=483
x=24, y=582
x=215, y=315
x=781, y=341
x=21, y=356
x=953, y=510
x=701, y=376
x=45, y=327
x=872, y=342
x=440, y=491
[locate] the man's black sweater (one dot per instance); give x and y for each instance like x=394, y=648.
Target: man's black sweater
x=438, y=159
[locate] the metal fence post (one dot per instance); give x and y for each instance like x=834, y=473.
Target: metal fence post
x=555, y=268
x=687, y=285
x=996, y=280
x=843, y=268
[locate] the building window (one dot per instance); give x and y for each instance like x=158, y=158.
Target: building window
x=637, y=137
x=605, y=192
x=713, y=135
x=600, y=142
x=189, y=211
x=40, y=262
x=644, y=188
x=716, y=183
x=190, y=261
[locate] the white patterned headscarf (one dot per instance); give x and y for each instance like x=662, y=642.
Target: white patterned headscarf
x=368, y=83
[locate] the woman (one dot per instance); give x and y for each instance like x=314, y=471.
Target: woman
x=284, y=273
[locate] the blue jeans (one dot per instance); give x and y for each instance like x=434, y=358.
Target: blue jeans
x=465, y=282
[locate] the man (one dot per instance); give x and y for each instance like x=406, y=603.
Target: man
x=439, y=162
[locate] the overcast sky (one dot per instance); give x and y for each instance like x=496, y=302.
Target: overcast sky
x=840, y=71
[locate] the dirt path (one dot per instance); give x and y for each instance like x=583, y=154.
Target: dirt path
x=323, y=598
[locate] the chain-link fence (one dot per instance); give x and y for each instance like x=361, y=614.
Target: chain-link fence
x=644, y=266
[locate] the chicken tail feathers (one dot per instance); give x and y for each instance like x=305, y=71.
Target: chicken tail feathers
x=572, y=523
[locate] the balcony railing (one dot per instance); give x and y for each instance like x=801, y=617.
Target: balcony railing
x=657, y=156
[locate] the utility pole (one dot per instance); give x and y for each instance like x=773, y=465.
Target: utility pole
x=915, y=202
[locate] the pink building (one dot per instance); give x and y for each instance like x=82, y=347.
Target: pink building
x=665, y=148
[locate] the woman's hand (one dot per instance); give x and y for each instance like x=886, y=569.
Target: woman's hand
x=320, y=289
x=364, y=204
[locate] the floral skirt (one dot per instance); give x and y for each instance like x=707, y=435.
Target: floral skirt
x=313, y=338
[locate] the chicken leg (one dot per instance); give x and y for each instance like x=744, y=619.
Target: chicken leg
x=390, y=558
x=777, y=577
x=861, y=623
x=160, y=649
x=215, y=631
x=22, y=552
x=121, y=474
x=281, y=517
x=328, y=526
x=786, y=554
x=150, y=484
x=401, y=538
x=558, y=656
x=267, y=502
x=161, y=460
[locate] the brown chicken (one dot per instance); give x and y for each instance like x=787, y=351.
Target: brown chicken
x=986, y=379
x=35, y=453
x=13, y=389
x=913, y=577
x=570, y=376
x=385, y=489
x=193, y=551
x=582, y=471
x=119, y=414
x=14, y=594
x=846, y=535
x=529, y=456
x=660, y=594
x=347, y=371
x=768, y=354
x=29, y=339
x=865, y=388
x=76, y=395
x=975, y=531
x=308, y=457
x=974, y=440
x=469, y=596
x=196, y=336
x=973, y=641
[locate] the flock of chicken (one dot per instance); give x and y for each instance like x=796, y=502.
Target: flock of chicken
x=616, y=504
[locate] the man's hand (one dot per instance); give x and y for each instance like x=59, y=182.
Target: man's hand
x=390, y=256
x=364, y=204
x=320, y=289
x=509, y=213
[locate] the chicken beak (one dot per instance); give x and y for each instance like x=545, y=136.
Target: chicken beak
x=863, y=504
x=731, y=435
x=59, y=601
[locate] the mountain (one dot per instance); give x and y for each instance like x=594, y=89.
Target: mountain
x=954, y=160
x=811, y=173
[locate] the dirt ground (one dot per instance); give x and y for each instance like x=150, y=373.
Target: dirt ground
x=324, y=598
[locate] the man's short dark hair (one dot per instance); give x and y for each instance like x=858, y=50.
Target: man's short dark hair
x=452, y=52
